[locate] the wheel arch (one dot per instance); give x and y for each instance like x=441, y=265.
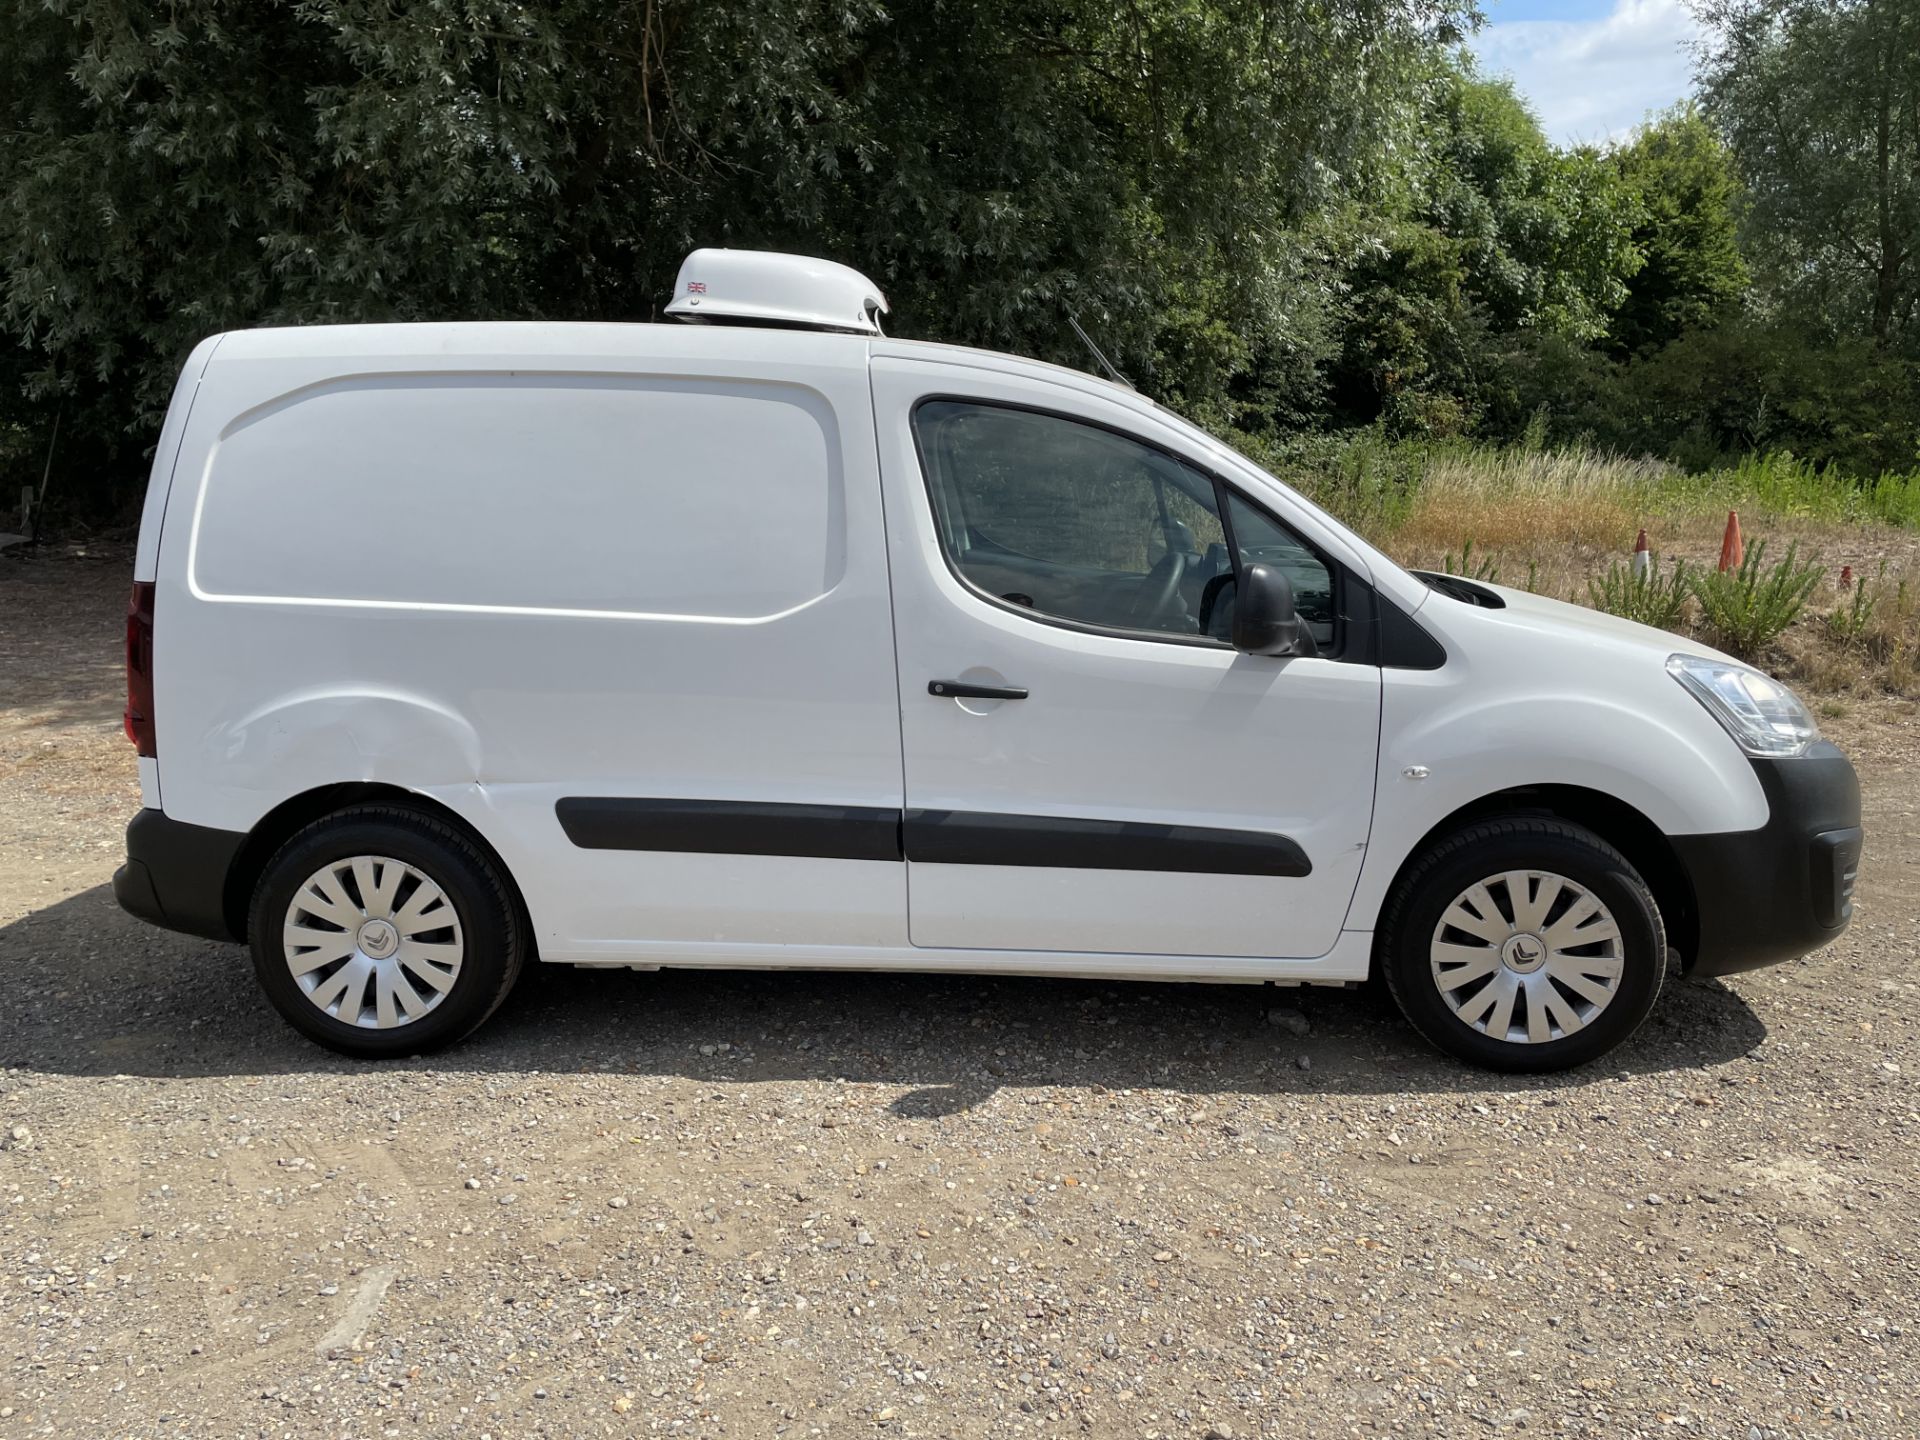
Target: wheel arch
x=1613, y=820
x=293, y=815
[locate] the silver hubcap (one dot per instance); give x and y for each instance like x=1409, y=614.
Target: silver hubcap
x=1527, y=956
x=373, y=941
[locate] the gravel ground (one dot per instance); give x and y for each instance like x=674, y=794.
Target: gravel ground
x=735, y=1204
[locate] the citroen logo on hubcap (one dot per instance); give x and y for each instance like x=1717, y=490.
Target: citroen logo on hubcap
x=1524, y=953
x=379, y=939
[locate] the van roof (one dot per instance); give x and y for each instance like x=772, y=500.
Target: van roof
x=1000, y=360
x=423, y=342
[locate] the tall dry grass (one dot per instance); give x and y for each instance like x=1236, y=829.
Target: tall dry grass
x=1439, y=494
x=1555, y=521
x=1527, y=500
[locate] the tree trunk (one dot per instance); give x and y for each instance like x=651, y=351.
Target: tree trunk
x=1886, y=294
x=1887, y=272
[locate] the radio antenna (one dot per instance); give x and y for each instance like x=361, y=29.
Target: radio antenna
x=1098, y=354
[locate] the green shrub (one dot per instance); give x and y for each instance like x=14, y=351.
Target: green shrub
x=1747, y=609
x=1655, y=599
x=1849, y=624
x=1894, y=498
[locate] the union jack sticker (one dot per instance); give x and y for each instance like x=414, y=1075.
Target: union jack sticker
x=696, y=287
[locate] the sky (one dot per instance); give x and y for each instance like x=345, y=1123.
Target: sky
x=1591, y=69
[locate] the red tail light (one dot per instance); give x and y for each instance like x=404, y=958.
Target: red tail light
x=139, y=716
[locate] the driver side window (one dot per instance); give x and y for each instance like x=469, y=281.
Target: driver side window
x=1071, y=520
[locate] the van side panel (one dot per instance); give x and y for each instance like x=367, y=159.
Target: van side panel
x=510, y=577
x=615, y=495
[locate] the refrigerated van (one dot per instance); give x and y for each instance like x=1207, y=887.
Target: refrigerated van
x=769, y=641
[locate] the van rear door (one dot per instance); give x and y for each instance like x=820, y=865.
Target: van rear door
x=1089, y=766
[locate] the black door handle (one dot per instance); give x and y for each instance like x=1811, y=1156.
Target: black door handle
x=961, y=690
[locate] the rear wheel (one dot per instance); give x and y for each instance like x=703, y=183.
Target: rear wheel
x=1523, y=945
x=381, y=932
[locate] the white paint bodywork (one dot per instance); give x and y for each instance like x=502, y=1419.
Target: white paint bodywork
x=498, y=565
x=1115, y=729
x=1546, y=693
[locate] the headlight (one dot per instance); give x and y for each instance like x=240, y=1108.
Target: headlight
x=1762, y=715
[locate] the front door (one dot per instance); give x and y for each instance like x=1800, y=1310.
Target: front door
x=1090, y=767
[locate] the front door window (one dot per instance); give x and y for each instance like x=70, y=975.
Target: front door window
x=1080, y=524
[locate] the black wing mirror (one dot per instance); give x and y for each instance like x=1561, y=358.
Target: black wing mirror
x=1265, y=621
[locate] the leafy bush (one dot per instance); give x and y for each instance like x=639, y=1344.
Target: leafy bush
x=1747, y=609
x=1850, y=624
x=1655, y=599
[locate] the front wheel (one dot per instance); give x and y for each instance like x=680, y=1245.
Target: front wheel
x=1523, y=945
x=379, y=932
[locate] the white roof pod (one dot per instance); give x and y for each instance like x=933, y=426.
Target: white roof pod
x=762, y=285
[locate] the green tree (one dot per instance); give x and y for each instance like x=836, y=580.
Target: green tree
x=167, y=170
x=1760, y=386
x=1686, y=229
x=1547, y=235
x=1492, y=234
x=1820, y=104
x=1407, y=324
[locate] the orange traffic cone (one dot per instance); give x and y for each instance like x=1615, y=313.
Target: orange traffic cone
x=1733, y=550
x=1642, y=557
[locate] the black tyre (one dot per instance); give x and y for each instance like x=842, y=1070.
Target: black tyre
x=1523, y=945
x=379, y=932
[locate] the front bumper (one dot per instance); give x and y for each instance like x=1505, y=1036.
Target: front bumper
x=176, y=875
x=1772, y=894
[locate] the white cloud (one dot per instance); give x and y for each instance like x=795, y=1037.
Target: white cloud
x=1594, y=80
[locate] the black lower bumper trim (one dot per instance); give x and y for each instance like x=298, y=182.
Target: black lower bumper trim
x=176, y=875
x=1772, y=894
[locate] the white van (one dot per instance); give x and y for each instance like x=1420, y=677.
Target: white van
x=777, y=643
